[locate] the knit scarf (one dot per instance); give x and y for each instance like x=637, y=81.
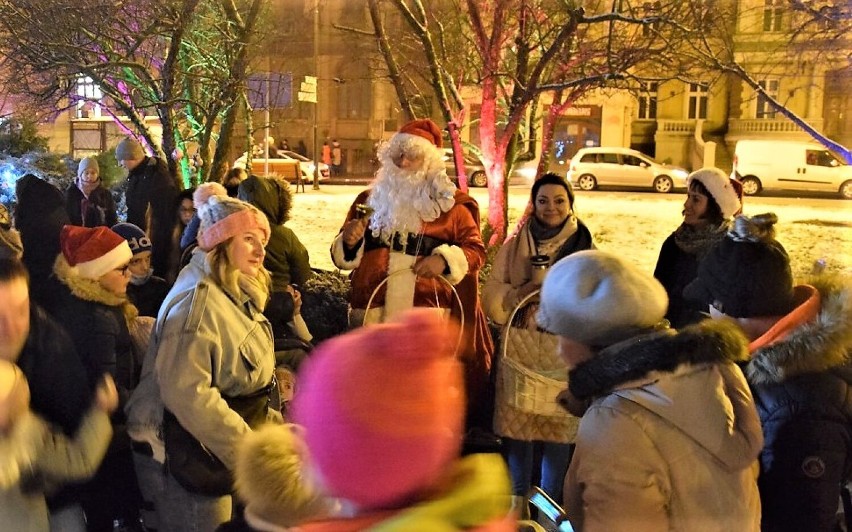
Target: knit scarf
x=699, y=240
x=91, y=290
x=540, y=232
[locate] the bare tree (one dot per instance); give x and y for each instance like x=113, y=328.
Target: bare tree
x=181, y=60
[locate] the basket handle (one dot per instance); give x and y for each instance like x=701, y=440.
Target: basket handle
x=521, y=304
x=441, y=277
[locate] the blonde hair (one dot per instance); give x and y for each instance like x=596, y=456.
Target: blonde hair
x=226, y=275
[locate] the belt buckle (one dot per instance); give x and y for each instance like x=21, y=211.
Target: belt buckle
x=397, y=243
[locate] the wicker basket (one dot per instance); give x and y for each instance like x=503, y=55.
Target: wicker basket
x=526, y=389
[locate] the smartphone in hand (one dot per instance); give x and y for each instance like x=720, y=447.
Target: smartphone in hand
x=556, y=519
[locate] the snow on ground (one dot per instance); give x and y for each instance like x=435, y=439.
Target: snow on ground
x=630, y=223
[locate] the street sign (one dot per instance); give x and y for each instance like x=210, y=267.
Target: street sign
x=308, y=90
x=307, y=97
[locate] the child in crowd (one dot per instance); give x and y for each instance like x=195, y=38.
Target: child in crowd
x=800, y=345
x=28, y=448
x=383, y=410
x=272, y=478
x=146, y=290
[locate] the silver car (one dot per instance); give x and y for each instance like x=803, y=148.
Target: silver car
x=623, y=167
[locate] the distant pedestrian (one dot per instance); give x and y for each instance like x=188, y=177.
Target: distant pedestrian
x=284, y=145
x=326, y=153
x=301, y=148
x=336, y=158
x=87, y=201
x=150, y=196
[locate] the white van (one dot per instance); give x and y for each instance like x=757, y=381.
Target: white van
x=790, y=165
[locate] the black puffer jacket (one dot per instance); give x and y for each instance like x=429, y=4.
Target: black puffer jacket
x=286, y=257
x=803, y=389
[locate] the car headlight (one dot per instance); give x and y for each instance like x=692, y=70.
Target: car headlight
x=680, y=174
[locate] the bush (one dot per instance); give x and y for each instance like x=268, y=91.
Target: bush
x=19, y=136
x=325, y=304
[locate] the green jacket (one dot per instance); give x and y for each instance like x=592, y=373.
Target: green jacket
x=286, y=257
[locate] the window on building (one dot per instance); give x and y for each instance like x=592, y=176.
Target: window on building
x=698, y=95
x=89, y=96
x=764, y=108
x=354, y=99
x=773, y=10
x=648, y=100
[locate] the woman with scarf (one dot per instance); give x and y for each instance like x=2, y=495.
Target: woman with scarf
x=712, y=200
x=93, y=268
x=553, y=232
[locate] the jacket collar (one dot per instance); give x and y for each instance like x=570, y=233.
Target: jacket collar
x=662, y=351
x=816, y=336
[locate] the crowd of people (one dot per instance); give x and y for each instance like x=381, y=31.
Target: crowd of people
x=142, y=362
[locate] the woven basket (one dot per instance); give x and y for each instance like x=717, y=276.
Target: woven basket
x=527, y=389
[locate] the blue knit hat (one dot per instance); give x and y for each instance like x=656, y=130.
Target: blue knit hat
x=136, y=237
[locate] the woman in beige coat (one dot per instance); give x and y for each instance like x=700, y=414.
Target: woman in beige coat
x=553, y=232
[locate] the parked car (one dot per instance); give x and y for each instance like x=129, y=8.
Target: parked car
x=523, y=172
x=592, y=167
x=790, y=165
x=473, y=168
x=278, y=166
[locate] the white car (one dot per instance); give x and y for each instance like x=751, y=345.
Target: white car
x=624, y=167
x=285, y=158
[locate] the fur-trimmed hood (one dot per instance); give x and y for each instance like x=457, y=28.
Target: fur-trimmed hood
x=663, y=351
x=809, y=345
x=682, y=386
x=91, y=290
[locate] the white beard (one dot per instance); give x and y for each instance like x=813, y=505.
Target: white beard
x=403, y=200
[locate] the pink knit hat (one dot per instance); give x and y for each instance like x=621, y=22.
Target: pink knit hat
x=383, y=409
x=223, y=217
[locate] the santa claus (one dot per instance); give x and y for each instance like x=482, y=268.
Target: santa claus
x=411, y=228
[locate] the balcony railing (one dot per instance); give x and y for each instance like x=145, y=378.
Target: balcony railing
x=684, y=127
x=749, y=126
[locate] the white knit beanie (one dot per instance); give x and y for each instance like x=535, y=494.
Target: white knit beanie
x=719, y=185
x=597, y=299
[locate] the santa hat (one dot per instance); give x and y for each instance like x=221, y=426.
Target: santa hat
x=598, y=299
x=136, y=237
x=223, y=217
x=93, y=251
x=383, y=409
x=424, y=128
x=720, y=187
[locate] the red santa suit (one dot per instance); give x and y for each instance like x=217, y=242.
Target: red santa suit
x=383, y=283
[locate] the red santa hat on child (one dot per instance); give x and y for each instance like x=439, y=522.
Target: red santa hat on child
x=93, y=251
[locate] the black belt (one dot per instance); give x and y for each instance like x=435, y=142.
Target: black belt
x=413, y=244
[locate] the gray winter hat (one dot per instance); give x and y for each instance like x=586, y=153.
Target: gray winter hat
x=598, y=299
x=129, y=149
